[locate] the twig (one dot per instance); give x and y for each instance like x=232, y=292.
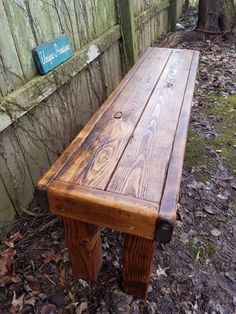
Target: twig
x=50, y=279
x=28, y=212
x=211, y=32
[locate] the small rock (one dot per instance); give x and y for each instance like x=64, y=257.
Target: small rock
x=216, y=232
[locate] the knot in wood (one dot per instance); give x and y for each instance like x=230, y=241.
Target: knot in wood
x=118, y=115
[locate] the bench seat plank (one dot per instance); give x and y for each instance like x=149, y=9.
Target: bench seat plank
x=170, y=195
x=141, y=171
x=99, y=154
x=64, y=159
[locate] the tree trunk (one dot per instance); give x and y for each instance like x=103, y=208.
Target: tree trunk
x=216, y=15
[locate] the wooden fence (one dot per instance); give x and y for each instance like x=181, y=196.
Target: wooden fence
x=39, y=115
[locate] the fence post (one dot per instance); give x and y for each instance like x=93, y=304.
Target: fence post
x=126, y=15
x=172, y=15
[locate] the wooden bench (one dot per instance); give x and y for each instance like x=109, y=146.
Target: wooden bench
x=123, y=170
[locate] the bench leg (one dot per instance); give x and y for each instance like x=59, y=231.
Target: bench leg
x=84, y=244
x=137, y=264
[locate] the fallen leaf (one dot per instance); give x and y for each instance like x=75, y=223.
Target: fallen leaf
x=62, y=275
x=33, y=284
x=161, y=271
x=10, y=242
x=82, y=307
x=10, y=279
x=30, y=301
x=17, y=303
x=50, y=256
x=6, y=259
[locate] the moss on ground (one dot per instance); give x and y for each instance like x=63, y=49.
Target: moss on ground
x=224, y=112
x=195, y=155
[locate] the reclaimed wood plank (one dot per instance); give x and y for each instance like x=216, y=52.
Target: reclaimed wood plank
x=98, y=155
x=65, y=158
x=137, y=265
x=85, y=248
x=102, y=208
x=146, y=157
x=172, y=184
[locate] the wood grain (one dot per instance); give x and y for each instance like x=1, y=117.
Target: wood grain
x=114, y=173
x=172, y=184
x=141, y=171
x=65, y=158
x=137, y=265
x=84, y=243
x=107, y=209
x=100, y=152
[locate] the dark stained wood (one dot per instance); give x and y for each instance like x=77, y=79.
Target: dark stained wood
x=172, y=184
x=65, y=158
x=103, y=208
x=123, y=170
x=142, y=169
x=137, y=265
x=100, y=152
x=84, y=243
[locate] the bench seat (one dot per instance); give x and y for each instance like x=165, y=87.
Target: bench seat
x=123, y=170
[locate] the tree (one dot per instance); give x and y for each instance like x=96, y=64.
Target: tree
x=216, y=16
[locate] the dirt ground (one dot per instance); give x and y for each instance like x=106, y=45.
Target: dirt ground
x=196, y=271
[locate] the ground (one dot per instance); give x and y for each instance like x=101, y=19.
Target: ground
x=195, y=272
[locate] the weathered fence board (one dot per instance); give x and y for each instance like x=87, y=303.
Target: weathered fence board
x=14, y=171
x=40, y=115
x=64, y=20
x=6, y=206
x=12, y=72
x=40, y=20
x=22, y=34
